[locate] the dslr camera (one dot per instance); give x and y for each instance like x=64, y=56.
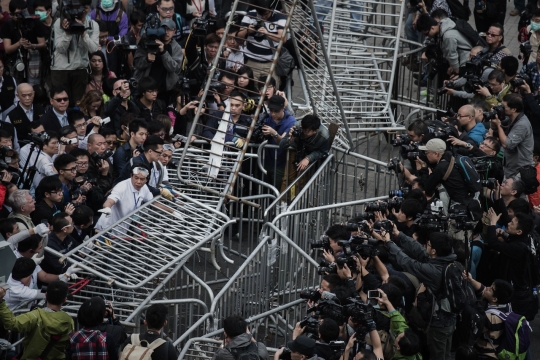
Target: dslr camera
x=99, y=158
x=431, y=221
x=495, y=111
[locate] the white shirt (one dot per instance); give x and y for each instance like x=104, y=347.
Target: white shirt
x=19, y=293
x=44, y=167
x=126, y=200
x=23, y=154
x=235, y=59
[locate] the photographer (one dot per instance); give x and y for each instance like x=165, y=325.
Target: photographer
x=499, y=198
x=148, y=103
x=163, y=64
x=301, y=348
x=509, y=65
x=462, y=81
x=101, y=184
x=83, y=221
x=199, y=62
x=73, y=41
x=237, y=336
x=405, y=217
x=23, y=38
x=66, y=167
x=495, y=41
x=113, y=16
x=518, y=144
x=455, y=46
x=50, y=192
x=531, y=108
x=23, y=204
x=119, y=104
x=166, y=10
x=328, y=331
x=138, y=131
x=498, y=88
x=427, y=264
x=310, y=145
x=49, y=151
x=467, y=120
x=99, y=168
x=61, y=241
x=263, y=30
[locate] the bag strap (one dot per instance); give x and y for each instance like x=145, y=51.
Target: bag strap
x=449, y=170
x=156, y=343
x=135, y=339
x=54, y=339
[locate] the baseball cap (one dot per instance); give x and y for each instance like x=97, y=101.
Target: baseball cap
x=302, y=345
x=168, y=23
x=435, y=145
x=276, y=102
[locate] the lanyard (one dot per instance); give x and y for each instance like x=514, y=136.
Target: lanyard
x=199, y=8
x=136, y=200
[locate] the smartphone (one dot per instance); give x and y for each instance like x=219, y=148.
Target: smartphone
x=105, y=121
x=373, y=294
x=72, y=141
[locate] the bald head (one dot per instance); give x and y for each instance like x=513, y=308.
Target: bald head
x=475, y=50
x=96, y=143
x=466, y=117
x=25, y=93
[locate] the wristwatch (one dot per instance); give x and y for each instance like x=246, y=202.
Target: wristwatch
x=468, y=146
x=275, y=135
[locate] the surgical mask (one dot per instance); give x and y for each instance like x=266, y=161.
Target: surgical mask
x=105, y=4
x=42, y=15
x=535, y=26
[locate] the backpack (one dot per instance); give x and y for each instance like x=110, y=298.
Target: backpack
x=250, y=352
x=534, y=254
x=468, y=32
x=516, y=339
x=135, y=351
x=472, y=320
x=470, y=176
x=528, y=177
x=455, y=288
x=459, y=10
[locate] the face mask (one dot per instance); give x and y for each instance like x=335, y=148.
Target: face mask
x=42, y=15
x=105, y=4
x=535, y=26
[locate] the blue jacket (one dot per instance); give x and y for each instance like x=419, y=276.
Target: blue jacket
x=283, y=127
x=477, y=133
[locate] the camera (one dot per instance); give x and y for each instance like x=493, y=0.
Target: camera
x=152, y=32
x=346, y=260
x=359, y=312
x=399, y=193
x=313, y=295
x=25, y=22
x=330, y=309
x=297, y=132
x=201, y=25
x=323, y=243
x=383, y=225
x=4, y=168
x=133, y=83
x=460, y=215
x=258, y=136
x=431, y=221
x=285, y=354
x=519, y=80
x=447, y=85
x=73, y=10
x=363, y=226
x=497, y=111
x=123, y=43
x=401, y=140
x=69, y=141
x=39, y=138
x=363, y=246
x=105, y=121
x=311, y=325
x=444, y=133
x=394, y=165
x=376, y=206
x=258, y=36
x=526, y=49
x=489, y=183
x=99, y=158
x=326, y=267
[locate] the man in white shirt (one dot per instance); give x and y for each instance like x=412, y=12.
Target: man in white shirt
x=23, y=289
x=49, y=152
x=36, y=128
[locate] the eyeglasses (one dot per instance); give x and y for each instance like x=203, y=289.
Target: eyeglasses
x=485, y=145
x=67, y=226
x=462, y=116
x=492, y=34
x=82, y=164
x=65, y=99
x=80, y=126
x=73, y=169
x=56, y=192
x=167, y=10
x=110, y=142
x=159, y=152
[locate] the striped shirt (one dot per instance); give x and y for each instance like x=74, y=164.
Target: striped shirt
x=261, y=50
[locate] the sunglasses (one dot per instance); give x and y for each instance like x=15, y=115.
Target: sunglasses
x=65, y=99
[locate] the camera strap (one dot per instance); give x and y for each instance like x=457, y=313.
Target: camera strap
x=449, y=170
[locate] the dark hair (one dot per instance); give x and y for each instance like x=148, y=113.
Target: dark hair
x=6, y=226
x=514, y=101
x=236, y=93
x=525, y=223
x=418, y=127
x=100, y=54
x=418, y=195
x=497, y=75
x=155, y=126
x=311, y=122
x=152, y=143
x=35, y=124
x=147, y=84
x=419, y=183
x=52, y=135
x=228, y=75
x=333, y=280
x=412, y=207
x=338, y=232
x=58, y=89
x=79, y=152
x=136, y=125
x=425, y=22
x=82, y=215
x=496, y=143
x=262, y=81
x=439, y=14
x=220, y=24
x=47, y=4
x=156, y=315
x=136, y=17
x=48, y=184
x=498, y=26
x=234, y=325
x=478, y=104
x=74, y=115
x=343, y=293
x=211, y=39
x=393, y=293
x=409, y=344
x=329, y=330
x=59, y=221
x=504, y=291
x=368, y=354
x=17, y=4
x=4, y=134
x=250, y=88
x=105, y=131
x=398, y=282
x=91, y=312
x=102, y=26
x=57, y=292
x=441, y=242
x=66, y=130
x=510, y=65
x=127, y=118
x=30, y=243
x=519, y=205
x=536, y=12
x=22, y=268
x=63, y=160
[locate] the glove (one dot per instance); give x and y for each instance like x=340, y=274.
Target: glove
x=177, y=215
x=239, y=143
x=38, y=259
x=70, y=274
x=42, y=230
x=166, y=193
x=106, y=211
x=86, y=249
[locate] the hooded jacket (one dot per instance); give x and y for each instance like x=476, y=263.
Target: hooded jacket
x=519, y=146
x=455, y=47
x=313, y=148
x=37, y=326
x=477, y=133
x=240, y=341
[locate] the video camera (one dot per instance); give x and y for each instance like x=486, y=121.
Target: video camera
x=330, y=309
x=4, y=168
x=201, y=25
x=123, y=43
x=153, y=31
x=459, y=213
x=73, y=10
x=363, y=246
x=526, y=49
x=323, y=243
x=431, y=221
x=473, y=70
x=39, y=138
x=403, y=139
